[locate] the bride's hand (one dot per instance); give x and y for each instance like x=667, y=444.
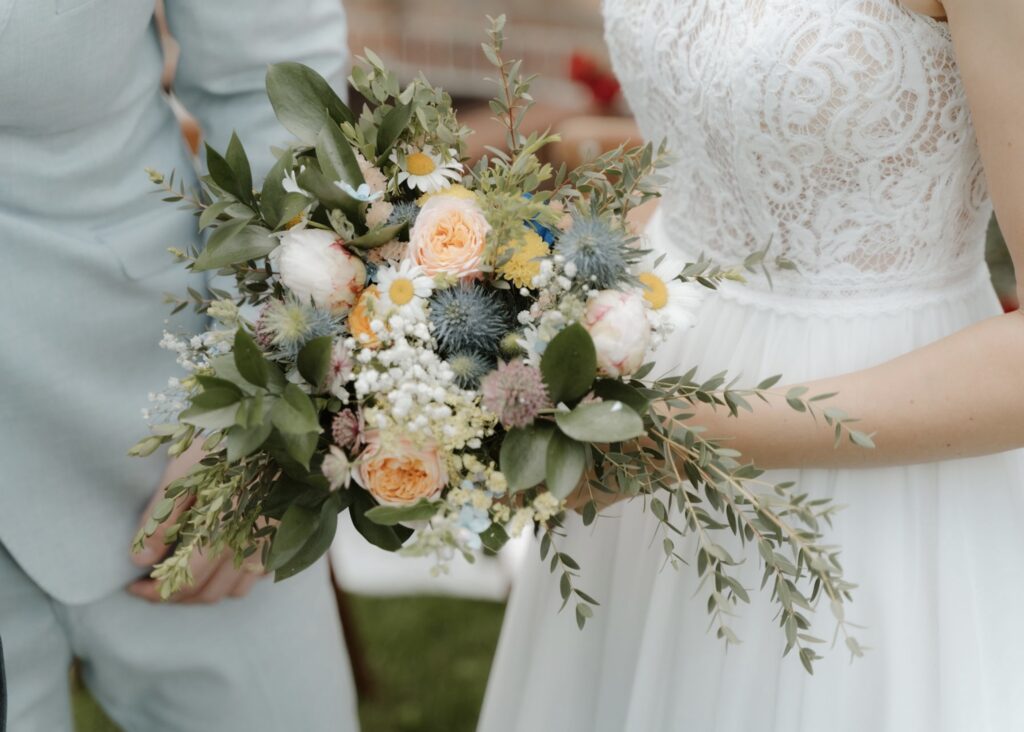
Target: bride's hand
x=216, y=577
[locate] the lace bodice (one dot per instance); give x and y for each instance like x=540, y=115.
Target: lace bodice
x=837, y=130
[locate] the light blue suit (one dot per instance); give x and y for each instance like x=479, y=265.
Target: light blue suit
x=83, y=269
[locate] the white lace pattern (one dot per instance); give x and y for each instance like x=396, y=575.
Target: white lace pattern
x=837, y=130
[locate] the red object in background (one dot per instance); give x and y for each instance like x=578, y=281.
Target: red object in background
x=602, y=84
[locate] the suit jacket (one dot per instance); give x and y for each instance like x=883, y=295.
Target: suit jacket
x=83, y=247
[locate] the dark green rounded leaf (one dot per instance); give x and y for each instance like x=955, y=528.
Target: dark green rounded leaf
x=249, y=359
x=569, y=364
x=612, y=390
x=315, y=360
x=315, y=546
x=297, y=525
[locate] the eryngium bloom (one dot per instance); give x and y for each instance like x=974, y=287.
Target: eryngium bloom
x=600, y=253
x=287, y=325
x=469, y=368
x=469, y=317
x=515, y=392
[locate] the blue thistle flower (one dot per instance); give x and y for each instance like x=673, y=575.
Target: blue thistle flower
x=599, y=252
x=287, y=325
x=469, y=368
x=469, y=317
x=403, y=212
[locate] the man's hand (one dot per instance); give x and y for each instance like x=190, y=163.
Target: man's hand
x=216, y=577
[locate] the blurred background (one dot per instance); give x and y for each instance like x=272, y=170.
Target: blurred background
x=421, y=645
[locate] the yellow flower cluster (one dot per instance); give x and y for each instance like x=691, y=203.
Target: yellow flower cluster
x=524, y=263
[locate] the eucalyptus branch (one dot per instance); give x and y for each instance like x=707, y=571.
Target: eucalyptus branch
x=176, y=195
x=570, y=571
x=514, y=100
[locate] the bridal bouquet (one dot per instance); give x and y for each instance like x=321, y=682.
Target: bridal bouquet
x=449, y=353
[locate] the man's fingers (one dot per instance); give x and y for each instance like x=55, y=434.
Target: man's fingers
x=245, y=584
x=203, y=567
x=146, y=589
x=154, y=547
x=218, y=585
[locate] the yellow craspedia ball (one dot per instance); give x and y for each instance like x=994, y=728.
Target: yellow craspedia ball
x=524, y=264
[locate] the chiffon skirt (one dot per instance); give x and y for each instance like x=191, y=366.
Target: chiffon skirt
x=937, y=551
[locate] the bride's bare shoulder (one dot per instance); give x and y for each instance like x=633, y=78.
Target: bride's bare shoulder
x=932, y=8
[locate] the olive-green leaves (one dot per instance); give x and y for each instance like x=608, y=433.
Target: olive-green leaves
x=303, y=100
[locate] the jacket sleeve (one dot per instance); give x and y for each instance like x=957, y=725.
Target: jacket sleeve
x=226, y=46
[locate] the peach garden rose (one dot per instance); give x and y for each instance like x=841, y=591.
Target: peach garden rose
x=400, y=472
x=449, y=236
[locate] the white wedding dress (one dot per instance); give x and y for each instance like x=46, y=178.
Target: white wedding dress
x=839, y=131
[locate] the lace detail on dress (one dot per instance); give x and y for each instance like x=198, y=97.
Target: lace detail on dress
x=837, y=130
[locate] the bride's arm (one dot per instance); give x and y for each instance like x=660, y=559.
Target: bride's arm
x=963, y=395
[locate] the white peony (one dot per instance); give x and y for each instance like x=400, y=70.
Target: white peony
x=315, y=265
x=617, y=322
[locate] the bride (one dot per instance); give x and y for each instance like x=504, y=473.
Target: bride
x=852, y=135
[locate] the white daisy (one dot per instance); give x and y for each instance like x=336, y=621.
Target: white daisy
x=672, y=300
x=290, y=182
x=363, y=193
x=424, y=169
x=404, y=287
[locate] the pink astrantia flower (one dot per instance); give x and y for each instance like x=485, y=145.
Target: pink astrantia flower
x=345, y=428
x=515, y=392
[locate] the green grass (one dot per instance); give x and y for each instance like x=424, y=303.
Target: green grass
x=427, y=658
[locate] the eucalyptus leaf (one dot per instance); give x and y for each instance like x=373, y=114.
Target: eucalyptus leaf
x=392, y=515
x=601, y=422
x=494, y=537
x=566, y=461
x=523, y=456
